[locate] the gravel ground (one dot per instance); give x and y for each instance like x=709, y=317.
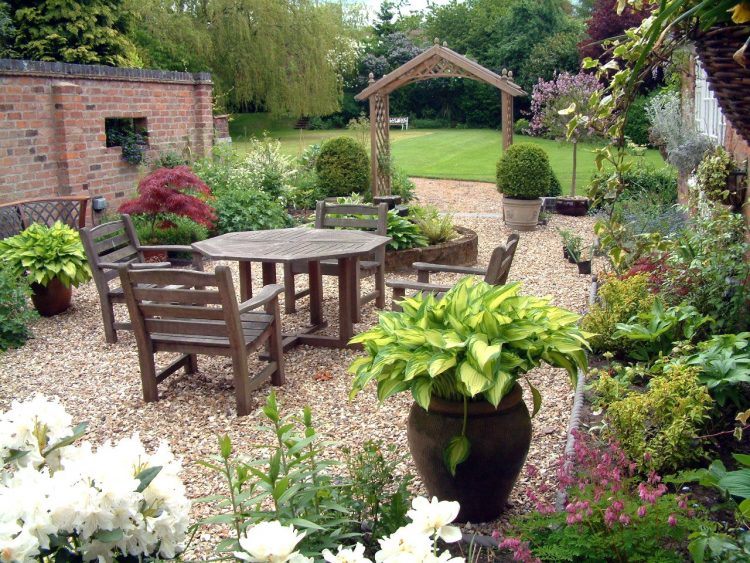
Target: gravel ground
x=99, y=383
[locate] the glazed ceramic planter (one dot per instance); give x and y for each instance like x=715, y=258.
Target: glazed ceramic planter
x=576, y=207
x=52, y=299
x=499, y=437
x=521, y=214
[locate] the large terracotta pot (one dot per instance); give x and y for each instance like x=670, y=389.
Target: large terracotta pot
x=500, y=440
x=521, y=214
x=52, y=299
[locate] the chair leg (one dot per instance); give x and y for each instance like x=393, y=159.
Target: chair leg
x=398, y=294
x=241, y=383
x=380, y=287
x=276, y=348
x=290, y=296
x=192, y=364
x=148, y=375
x=108, y=318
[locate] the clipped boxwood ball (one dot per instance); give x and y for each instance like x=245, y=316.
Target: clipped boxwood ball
x=523, y=172
x=555, y=189
x=343, y=168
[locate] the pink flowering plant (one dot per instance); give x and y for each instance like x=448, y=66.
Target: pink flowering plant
x=611, y=513
x=554, y=101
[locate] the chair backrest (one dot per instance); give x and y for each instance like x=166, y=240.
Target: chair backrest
x=191, y=306
x=352, y=216
x=115, y=242
x=501, y=261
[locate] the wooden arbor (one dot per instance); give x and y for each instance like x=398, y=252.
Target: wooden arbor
x=436, y=62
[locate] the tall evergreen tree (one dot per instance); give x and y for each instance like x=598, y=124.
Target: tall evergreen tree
x=74, y=31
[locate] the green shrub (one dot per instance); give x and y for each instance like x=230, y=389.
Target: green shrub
x=637, y=123
x=523, y=172
x=15, y=312
x=249, y=210
x=521, y=126
x=555, y=188
x=620, y=300
x=424, y=123
x=174, y=229
x=657, y=428
x=343, y=168
x=402, y=185
x=304, y=192
x=436, y=227
x=659, y=185
x=713, y=172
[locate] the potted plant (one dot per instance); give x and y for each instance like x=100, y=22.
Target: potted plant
x=523, y=177
x=584, y=263
x=573, y=245
x=565, y=235
x=53, y=260
x=461, y=357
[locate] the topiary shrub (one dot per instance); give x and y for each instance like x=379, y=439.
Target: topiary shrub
x=343, y=168
x=523, y=172
x=555, y=188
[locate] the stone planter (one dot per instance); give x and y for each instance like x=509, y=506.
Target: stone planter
x=500, y=439
x=521, y=214
x=461, y=251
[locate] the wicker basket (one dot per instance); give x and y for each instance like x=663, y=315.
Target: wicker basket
x=729, y=81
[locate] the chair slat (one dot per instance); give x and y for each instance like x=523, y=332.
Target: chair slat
x=183, y=296
x=106, y=229
x=171, y=276
x=181, y=327
x=198, y=312
x=123, y=254
x=111, y=243
x=352, y=209
x=351, y=223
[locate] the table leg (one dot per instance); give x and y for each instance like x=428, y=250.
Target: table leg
x=316, y=293
x=246, y=280
x=356, y=292
x=347, y=302
x=269, y=273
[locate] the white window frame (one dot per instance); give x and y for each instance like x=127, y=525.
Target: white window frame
x=709, y=118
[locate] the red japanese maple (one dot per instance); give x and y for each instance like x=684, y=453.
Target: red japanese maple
x=176, y=191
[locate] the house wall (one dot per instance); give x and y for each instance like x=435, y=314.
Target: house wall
x=52, y=139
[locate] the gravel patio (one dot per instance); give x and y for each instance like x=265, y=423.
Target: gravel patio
x=100, y=383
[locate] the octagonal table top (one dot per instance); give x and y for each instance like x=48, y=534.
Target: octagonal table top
x=290, y=245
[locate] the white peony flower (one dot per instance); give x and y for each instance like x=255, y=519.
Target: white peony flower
x=18, y=549
x=297, y=557
x=269, y=542
x=433, y=517
x=354, y=554
x=408, y=544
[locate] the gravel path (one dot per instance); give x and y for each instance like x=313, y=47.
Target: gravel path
x=100, y=383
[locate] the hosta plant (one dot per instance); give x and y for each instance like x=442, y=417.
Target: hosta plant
x=43, y=253
x=472, y=344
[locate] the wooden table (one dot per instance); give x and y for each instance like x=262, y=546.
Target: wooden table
x=310, y=245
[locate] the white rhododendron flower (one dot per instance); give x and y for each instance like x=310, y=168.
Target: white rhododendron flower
x=354, y=554
x=269, y=542
x=433, y=517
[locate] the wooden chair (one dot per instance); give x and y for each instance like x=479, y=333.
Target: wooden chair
x=329, y=215
x=202, y=316
x=496, y=273
x=110, y=246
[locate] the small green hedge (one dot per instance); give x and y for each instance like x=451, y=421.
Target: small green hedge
x=343, y=168
x=524, y=172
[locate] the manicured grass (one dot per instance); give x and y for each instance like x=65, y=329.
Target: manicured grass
x=461, y=154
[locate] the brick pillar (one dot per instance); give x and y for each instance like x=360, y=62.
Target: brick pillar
x=204, y=119
x=69, y=143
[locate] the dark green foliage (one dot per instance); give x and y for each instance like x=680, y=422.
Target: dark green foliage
x=555, y=189
x=402, y=185
x=523, y=172
x=7, y=32
x=168, y=159
x=15, y=312
x=172, y=229
x=249, y=210
x=404, y=233
x=637, y=124
x=376, y=493
x=434, y=123
x=521, y=126
x=658, y=185
x=74, y=31
x=557, y=53
x=304, y=192
x=343, y=168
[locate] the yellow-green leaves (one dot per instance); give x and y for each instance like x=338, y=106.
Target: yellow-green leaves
x=457, y=452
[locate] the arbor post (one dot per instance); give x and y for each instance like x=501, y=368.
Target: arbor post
x=506, y=119
x=380, y=146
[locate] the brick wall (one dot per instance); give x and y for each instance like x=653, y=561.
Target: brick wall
x=52, y=139
x=740, y=149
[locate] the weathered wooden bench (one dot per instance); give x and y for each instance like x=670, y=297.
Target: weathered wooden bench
x=16, y=216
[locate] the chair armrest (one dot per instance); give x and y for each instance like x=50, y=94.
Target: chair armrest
x=417, y=286
x=445, y=268
x=264, y=296
x=169, y=248
x=133, y=265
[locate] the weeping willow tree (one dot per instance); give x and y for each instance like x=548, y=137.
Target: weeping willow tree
x=280, y=55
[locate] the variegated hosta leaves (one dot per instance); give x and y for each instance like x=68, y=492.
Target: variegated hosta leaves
x=475, y=341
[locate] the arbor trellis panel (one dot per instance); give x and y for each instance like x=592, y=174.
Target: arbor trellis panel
x=436, y=62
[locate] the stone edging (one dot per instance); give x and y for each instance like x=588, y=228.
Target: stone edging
x=460, y=251
x=20, y=67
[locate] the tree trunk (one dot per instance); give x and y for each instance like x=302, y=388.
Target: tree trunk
x=575, y=165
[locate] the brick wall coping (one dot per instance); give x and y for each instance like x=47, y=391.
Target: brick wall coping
x=17, y=67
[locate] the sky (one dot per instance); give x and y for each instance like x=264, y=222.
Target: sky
x=411, y=6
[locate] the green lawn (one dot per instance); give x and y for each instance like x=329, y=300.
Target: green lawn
x=461, y=154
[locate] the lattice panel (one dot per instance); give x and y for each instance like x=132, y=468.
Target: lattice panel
x=47, y=212
x=10, y=222
x=439, y=68
x=382, y=127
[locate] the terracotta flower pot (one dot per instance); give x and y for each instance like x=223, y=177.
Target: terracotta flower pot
x=52, y=299
x=522, y=214
x=499, y=438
